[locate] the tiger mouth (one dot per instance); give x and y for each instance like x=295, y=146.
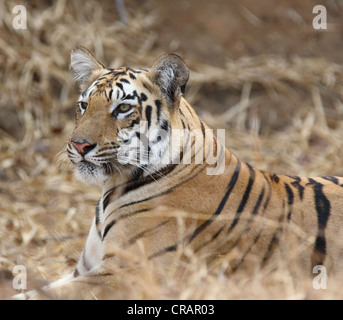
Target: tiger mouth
x=91, y=168
x=87, y=165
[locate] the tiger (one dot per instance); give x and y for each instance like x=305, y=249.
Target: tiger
x=169, y=183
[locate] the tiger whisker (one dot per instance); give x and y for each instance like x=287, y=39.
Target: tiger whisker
x=132, y=161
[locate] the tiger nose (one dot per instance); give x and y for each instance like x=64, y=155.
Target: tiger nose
x=82, y=147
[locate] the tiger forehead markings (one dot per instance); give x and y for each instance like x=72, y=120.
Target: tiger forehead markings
x=112, y=85
x=154, y=208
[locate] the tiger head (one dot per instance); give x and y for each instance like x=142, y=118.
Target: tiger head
x=124, y=116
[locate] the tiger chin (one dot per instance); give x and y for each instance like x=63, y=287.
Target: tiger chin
x=160, y=197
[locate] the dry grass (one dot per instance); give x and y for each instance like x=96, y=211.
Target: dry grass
x=45, y=215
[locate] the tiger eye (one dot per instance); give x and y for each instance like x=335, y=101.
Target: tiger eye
x=83, y=105
x=124, y=107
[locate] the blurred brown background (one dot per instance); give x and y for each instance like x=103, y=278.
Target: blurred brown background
x=258, y=69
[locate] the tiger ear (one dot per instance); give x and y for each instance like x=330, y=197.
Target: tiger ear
x=85, y=68
x=171, y=74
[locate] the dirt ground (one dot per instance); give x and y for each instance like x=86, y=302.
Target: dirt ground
x=258, y=69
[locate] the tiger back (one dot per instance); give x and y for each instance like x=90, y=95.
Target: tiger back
x=170, y=185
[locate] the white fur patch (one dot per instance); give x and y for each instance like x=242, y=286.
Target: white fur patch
x=82, y=65
x=166, y=77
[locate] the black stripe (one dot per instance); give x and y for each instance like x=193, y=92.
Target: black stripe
x=296, y=184
x=148, y=115
x=231, y=185
x=119, y=73
x=107, y=98
x=202, y=127
x=134, y=96
x=183, y=124
x=258, y=202
x=146, y=232
x=222, y=203
x=165, y=125
x=290, y=197
x=124, y=80
x=107, y=228
x=137, y=71
x=333, y=180
x=215, y=150
x=158, y=105
x=247, y=190
x=323, y=209
x=244, y=198
x=132, y=76
x=134, y=212
x=97, y=213
x=106, y=198
x=120, y=86
x=165, y=250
